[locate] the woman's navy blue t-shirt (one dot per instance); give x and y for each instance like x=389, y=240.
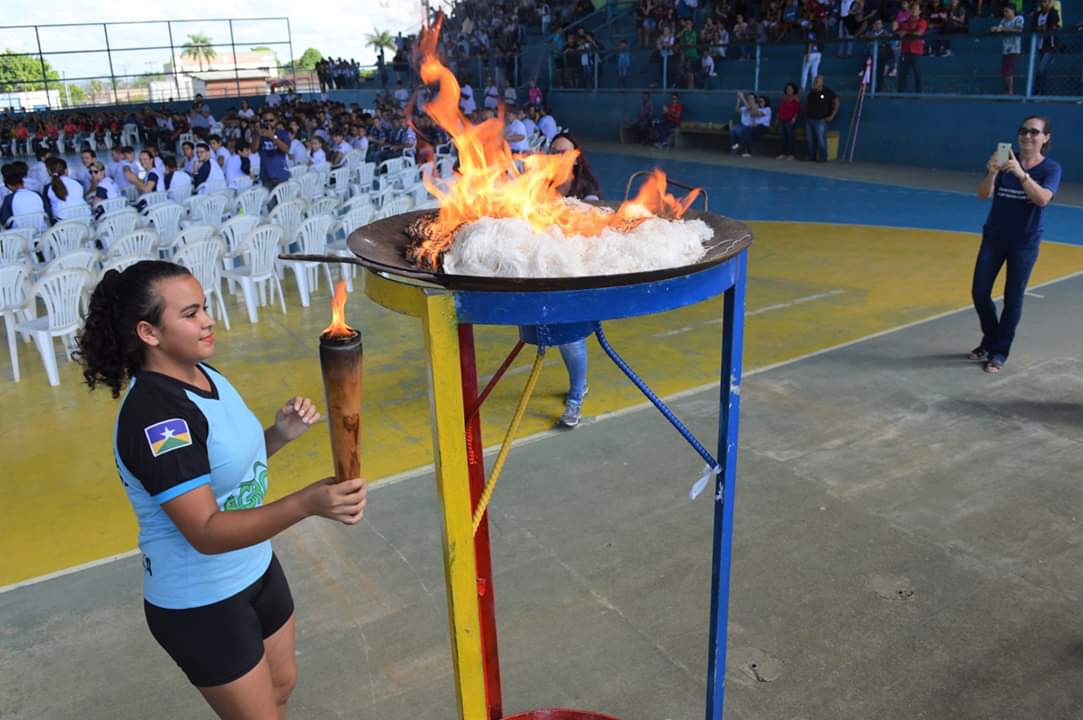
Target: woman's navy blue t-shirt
x=1013, y=218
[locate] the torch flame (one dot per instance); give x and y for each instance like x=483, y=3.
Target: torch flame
x=338, y=327
x=490, y=184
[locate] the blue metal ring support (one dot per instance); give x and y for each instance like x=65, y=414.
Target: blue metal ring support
x=657, y=401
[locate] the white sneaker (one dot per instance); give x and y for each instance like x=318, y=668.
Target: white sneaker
x=744, y=155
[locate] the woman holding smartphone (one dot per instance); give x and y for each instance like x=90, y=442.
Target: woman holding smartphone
x=1021, y=187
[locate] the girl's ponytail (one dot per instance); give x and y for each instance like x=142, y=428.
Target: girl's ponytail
x=57, y=167
x=109, y=349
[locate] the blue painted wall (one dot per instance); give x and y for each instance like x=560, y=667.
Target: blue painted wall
x=927, y=132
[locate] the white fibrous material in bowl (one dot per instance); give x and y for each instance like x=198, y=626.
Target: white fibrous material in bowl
x=511, y=248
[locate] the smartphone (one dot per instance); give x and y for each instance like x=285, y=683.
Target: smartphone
x=1003, y=153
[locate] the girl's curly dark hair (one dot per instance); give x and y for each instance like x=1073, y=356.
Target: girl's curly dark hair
x=109, y=349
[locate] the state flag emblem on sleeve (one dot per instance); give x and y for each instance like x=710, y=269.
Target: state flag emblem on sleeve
x=167, y=436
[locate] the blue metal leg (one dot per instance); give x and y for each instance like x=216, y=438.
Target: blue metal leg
x=733, y=321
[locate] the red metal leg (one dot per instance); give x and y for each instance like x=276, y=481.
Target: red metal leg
x=475, y=454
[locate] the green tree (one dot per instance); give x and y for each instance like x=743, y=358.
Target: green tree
x=199, y=48
x=309, y=59
x=380, y=40
x=75, y=94
x=23, y=72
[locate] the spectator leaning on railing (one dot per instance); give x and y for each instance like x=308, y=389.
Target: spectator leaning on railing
x=1046, y=21
x=1012, y=46
x=912, y=33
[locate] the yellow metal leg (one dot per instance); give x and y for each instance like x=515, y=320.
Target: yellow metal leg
x=453, y=485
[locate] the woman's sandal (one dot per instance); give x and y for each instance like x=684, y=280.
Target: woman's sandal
x=993, y=366
x=978, y=354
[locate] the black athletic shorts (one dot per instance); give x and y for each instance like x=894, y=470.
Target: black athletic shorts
x=218, y=643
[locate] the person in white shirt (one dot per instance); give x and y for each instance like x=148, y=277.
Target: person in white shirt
x=246, y=112
x=159, y=166
x=492, y=96
x=528, y=122
x=298, y=153
x=466, y=100
x=359, y=140
x=755, y=121
x=510, y=96
x=238, y=168
x=37, y=176
x=19, y=200
x=218, y=150
x=209, y=176
x=175, y=181
x=273, y=100
x=188, y=150
x=82, y=173
x=402, y=95
x=116, y=170
x=316, y=154
x=63, y=193
x=146, y=178
x=515, y=132
x=547, y=126
x=340, y=146
x=102, y=187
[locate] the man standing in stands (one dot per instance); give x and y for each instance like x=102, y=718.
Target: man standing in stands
x=912, y=33
x=821, y=107
x=272, y=145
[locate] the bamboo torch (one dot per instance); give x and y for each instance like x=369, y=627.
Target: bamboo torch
x=341, y=360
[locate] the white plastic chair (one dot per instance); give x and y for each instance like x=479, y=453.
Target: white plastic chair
x=236, y=230
x=14, y=291
x=166, y=220
x=366, y=174
x=312, y=239
x=289, y=216
x=130, y=193
x=298, y=171
x=13, y=247
x=122, y=263
x=206, y=209
x=311, y=185
x=204, y=259
x=261, y=250
x=61, y=293
x=323, y=206
x=36, y=221
x=355, y=202
x=116, y=225
x=179, y=193
x=154, y=198
x=193, y=234
x=397, y=206
x=75, y=260
x=285, y=192
x=251, y=201
x=113, y=204
x=338, y=182
x=358, y=217
x=140, y=242
x=64, y=238
x=81, y=211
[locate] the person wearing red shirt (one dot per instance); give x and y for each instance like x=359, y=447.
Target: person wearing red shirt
x=912, y=32
x=671, y=119
x=789, y=107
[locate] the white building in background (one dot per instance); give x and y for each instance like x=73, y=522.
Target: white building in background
x=184, y=88
x=30, y=100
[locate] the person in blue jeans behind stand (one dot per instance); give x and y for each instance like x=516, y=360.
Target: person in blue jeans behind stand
x=1021, y=188
x=584, y=186
x=821, y=107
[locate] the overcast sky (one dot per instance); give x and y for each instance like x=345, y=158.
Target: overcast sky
x=334, y=27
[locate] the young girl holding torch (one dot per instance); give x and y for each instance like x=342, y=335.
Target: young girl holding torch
x=193, y=461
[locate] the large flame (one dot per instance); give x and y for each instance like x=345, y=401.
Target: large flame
x=490, y=184
x=338, y=327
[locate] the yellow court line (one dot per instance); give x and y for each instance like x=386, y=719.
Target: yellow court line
x=63, y=505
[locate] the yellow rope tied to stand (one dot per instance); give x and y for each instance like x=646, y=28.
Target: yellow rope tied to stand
x=505, y=448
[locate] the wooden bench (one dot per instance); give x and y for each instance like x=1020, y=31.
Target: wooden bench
x=703, y=135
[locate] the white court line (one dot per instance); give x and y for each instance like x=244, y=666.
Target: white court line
x=545, y=434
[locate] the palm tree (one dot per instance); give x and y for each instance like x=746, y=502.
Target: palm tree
x=381, y=40
x=199, y=48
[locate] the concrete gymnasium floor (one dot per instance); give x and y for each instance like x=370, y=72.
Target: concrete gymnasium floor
x=906, y=545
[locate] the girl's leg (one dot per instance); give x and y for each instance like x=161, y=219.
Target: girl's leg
x=250, y=697
x=282, y=659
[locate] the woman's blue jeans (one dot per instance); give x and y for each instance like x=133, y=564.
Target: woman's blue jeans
x=998, y=333
x=575, y=359
x=789, y=139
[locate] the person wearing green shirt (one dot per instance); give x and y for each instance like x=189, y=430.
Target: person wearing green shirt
x=689, y=40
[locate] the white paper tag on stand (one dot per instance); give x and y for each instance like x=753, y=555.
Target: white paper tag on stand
x=701, y=484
